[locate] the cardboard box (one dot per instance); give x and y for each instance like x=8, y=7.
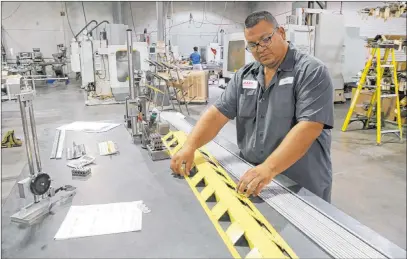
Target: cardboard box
x=401, y=66
x=388, y=105
x=363, y=101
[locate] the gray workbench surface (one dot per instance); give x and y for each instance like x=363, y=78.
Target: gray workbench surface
x=177, y=226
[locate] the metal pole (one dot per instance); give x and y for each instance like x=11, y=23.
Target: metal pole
x=141, y=98
x=26, y=135
x=34, y=136
x=33, y=83
x=45, y=78
x=130, y=64
x=132, y=90
x=298, y=13
x=160, y=20
x=126, y=100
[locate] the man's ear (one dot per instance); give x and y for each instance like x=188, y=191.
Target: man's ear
x=281, y=31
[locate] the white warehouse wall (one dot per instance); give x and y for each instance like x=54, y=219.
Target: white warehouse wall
x=207, y=16
x=369, y=27
x=26, y=28
x=279, y=9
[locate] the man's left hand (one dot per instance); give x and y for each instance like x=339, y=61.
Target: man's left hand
x=254, y=180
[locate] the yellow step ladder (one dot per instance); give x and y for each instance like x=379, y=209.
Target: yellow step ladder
x=377, y=94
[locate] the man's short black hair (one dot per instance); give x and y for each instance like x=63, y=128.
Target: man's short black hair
x=256, y=17
x=195, y=48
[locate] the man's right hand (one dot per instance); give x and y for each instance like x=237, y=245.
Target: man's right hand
x=181, y=162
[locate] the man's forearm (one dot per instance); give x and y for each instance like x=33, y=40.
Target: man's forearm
x=294, y=146
x=206, y=129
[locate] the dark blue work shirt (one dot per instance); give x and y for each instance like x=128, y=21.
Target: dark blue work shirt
x=196, y=58
x=301, y=90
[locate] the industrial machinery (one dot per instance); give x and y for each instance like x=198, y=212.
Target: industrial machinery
x=37, y=55
x=302, y=36
x=38, y=66
x=144, y=129
x=39, y=182
x=118, y=60
x=234, y=55
x=103, y=62
x=60, y=61
x=323, y=39
x=210, y=53
x=136, y=111
x=24, y=58
x=34, y=62
x=152, y=134
x=152, y=54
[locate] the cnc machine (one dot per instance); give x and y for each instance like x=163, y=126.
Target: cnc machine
x=103, y=62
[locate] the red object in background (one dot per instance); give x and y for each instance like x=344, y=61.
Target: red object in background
x=148, y=40
x=213, y=51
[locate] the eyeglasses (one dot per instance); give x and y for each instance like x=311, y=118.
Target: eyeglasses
x=265, y=42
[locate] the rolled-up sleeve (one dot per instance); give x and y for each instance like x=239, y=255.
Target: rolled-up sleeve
x=227, y=102
x=315, y=98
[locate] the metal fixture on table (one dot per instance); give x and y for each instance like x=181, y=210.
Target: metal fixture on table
x=135, y=103
x=81, y=171
x=143, y=129
x=151, y=138
x=75, y=152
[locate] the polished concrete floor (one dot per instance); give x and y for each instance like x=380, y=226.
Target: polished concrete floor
x=369, y=180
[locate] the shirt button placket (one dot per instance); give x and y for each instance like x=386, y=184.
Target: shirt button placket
x=260, y=141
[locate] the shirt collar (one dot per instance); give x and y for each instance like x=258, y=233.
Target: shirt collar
x=288, y=62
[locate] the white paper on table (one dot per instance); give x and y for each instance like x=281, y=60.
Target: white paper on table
x=89, y=126
x=101, y=219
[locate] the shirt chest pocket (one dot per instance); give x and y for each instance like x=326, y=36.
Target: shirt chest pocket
x=284, y=101
x=247, y=104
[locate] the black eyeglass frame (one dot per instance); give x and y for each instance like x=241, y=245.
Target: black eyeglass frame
x=253, y=47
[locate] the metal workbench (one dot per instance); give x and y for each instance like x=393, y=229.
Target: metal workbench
x=177, y=225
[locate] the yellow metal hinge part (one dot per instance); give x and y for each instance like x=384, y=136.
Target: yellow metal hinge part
x=212, y=184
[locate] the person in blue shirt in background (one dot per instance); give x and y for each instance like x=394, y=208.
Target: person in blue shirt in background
x=196, y=59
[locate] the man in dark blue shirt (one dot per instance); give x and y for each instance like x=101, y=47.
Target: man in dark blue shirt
x=196, y=59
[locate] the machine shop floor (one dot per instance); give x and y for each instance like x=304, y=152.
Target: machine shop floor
x=357, y=163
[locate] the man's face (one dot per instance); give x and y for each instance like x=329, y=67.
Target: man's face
x=273, y=51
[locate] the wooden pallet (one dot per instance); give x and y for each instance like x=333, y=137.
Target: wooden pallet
x=196, y=87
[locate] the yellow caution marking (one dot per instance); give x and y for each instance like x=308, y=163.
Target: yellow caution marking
x=216, y=192
x=155, y=89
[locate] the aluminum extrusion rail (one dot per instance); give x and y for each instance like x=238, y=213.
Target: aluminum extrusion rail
x=336, y=239
x=55, y=144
